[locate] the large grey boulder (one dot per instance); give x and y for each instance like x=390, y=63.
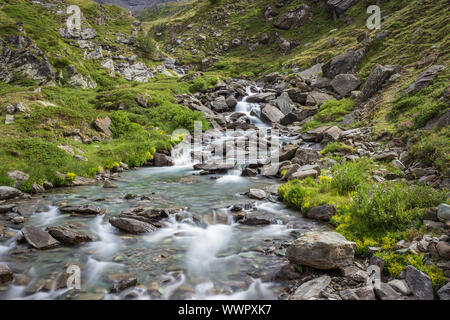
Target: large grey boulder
x=220, y=104
x=386, y=292
x=444, y=212
x=321, y=250
x=312, y=289
x=284, y=103
x=271, y=114
x=419, y=283
x=7, y=193
x=344, y=84
x=161, y=160
x=306, y=156
x=444, y=292
x=374, y=82
x=343, y=63
x=261, y=97
x=38, y=238
x=322, y=213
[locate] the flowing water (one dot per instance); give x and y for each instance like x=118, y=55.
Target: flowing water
x=219, y=259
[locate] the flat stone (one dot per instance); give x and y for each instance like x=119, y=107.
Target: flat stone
x=132, y=226
x=386, y=292
x=400, y=286
x=6, y=275
x=257, y=194
x=363, y=293
x=87, y=209
x=7, y=193
x=38, y=238
x=311, y=289
x=69, y=236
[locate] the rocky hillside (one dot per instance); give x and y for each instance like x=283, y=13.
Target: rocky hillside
x=134, y=5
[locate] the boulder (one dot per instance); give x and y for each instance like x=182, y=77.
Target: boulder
x=294, y=18
x=419, y=283
x=19, y=177
x=231, y=101
x=306, y=156
x=284, y=103
x=386, y=292
x=7, y=193
x=38, y=238
x=271, y=114
x=444, y=212
x=261, y=97
x=343, y=63
x=400, y=286
x=220, y=105
x=248, y=172
x=86, y=209
x=6, y=275
x=37, y=188
x=257, y=194
x=321, y=250
x=103, y=125
x=425, y=79
x=331, y=134
x=317, y=98
x=303, y=174
x=344, y=84
x=322, y=213
x=338, y=7
x=444, y=292
x=254, y=221
x=312, y=289
x=132, y=226
x=363, y=293
x=161, y=160
x=374, y=82
x=69, y=236
x=286, y=152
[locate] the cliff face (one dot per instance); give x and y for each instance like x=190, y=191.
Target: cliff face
x=134, y=5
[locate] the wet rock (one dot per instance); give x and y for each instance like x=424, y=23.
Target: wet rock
x=247, y=172
x=38, y=238
x=87, y=209
x=425, y=79
x=343, y=63
x=161, y=160
x=386, y=292
x=444, y=292
x=149, y=215
x=5, y=208
x=214, y=168
x=7, y=193
x=363, y=293
x=132, y=225
x=254, y=221
x=68, y=236
x=444, y=212
x=109, y=185
x=419, y=283
x=257, y=194
x=121, y=285
x=322, y=213
x=312, y=289
x=6, y=275
x=321, y=250
x=287, y=272
x=231, y=101
x=103, y=125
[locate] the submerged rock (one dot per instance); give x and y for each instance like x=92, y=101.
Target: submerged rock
x=132, y=225
x=87, y=209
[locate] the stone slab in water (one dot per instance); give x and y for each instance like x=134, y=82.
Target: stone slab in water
x=38, y=238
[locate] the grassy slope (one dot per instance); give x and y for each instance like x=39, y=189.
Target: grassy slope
x=36, y=138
